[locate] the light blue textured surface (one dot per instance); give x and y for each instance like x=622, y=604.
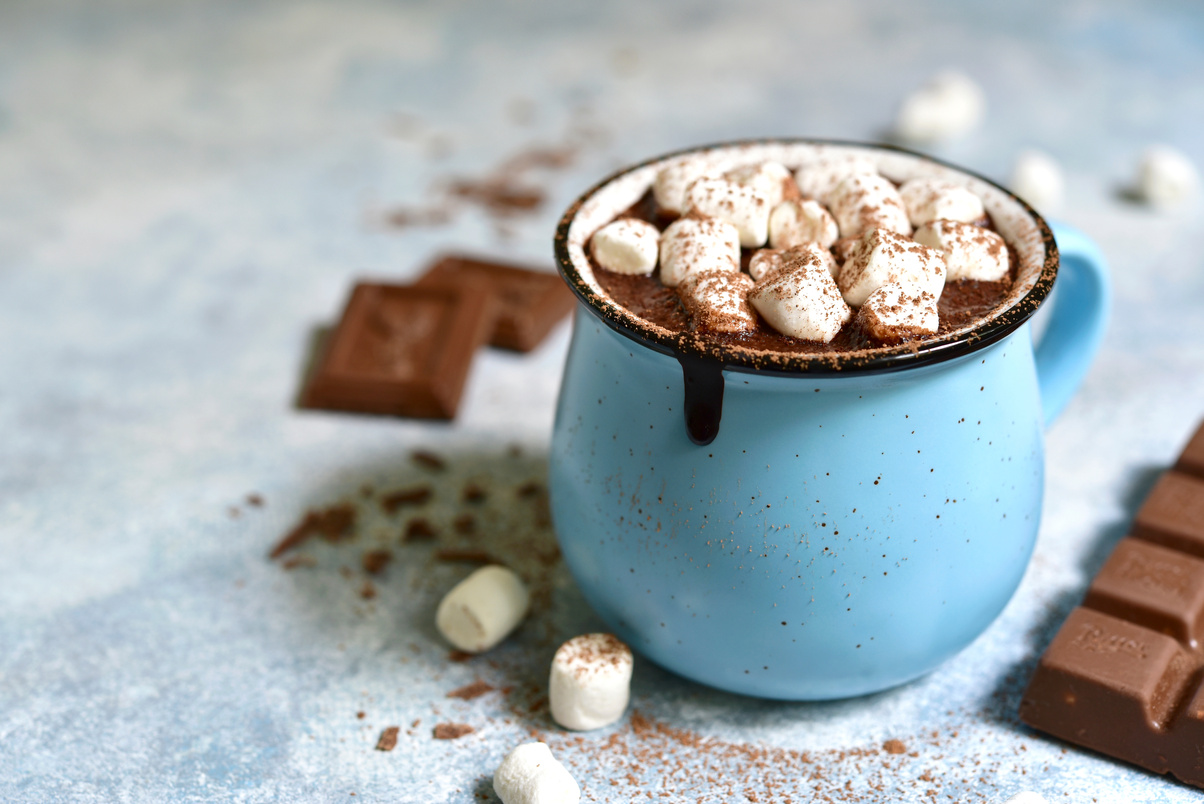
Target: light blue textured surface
x=187, y=191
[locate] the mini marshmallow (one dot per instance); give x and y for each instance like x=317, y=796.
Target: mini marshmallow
x=862, y=202
x=802, y=300
x=669, y=187
x=482, y=609
x=768, y=261
x=1037, y=179
x=949, y=105
x=626, y=246
x=531, y=775
x=818, y=178
x=1165, y=177
x=929, y=199
x=697, y=244
x=1027, y=797
x=590, y=682
x=768, y=177
x=717, y=299
x=971, y=252
x=884, y=257
x=746, y=208
x=792, y=223
x=894, y=313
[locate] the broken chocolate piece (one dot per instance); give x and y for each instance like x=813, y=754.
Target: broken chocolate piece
x=403, y=351
x=531, y=301
x=1191, y=462
x=1125, y=674
x=332, y=524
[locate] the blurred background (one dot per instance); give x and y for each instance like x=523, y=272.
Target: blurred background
x=187, y=193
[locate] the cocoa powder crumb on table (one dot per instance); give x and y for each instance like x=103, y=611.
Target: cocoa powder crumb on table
x=418, y=495
x=428, y=460
x=388, y=739
x=894, y=747
x=451, y=731
x=474, y=690
x=419, y=530
x=375, y=561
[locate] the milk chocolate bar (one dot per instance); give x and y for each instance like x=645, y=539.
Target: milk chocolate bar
x=402, y=350
x=1125, y=674
x=531, y=301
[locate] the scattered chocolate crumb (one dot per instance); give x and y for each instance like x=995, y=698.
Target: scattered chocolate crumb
x=233, y=512
x=332, y=524
x=366, y=491
x=418, y=495
x=388, y=739
x=531, y=488
x=360, y=715
x=418, y=530
x=428, y=460
x=417, y=721
x=465, y=524
x=255, y=500
x=294, y=562
x=473, y=493
x=894, y=747
x=419, y=216
x=375, y=561
x=368, y=590
x=474, y=690
x=459, y=656
x=451, y=731
x=466, y=556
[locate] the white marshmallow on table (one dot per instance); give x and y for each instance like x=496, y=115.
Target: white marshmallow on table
x=669, y=186
x=948, y=105
x=1165, y=177
x=626, y=246
x=697, y=244
x=971, y=252
x=863, y=201
x=895, y=312
x=746, y=208
x=482, y=609
x=1037, y=179
x=768, y=177
x=1027, y=797
x=819, y=177
x=884, y=257
x=717, y=299
x=802, y=300
x=590, y=682
x=768, y=261
x=792, y=223
x=929, y=199
x=531, y=775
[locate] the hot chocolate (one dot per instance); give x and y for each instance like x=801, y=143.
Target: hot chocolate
x=825, y=256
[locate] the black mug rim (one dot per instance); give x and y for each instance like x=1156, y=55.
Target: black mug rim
x=734, y=358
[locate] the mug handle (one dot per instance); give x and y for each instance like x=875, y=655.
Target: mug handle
x=1077, y=321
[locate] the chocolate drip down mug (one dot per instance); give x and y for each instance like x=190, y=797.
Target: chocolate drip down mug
x=809, y=528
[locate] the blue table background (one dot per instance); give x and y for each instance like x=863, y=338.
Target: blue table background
x=187, y=192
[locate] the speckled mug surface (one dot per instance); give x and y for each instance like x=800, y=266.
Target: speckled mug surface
x=850, y=523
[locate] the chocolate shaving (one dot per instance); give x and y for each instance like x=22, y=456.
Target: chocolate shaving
x=333, y=524
x=428, y=460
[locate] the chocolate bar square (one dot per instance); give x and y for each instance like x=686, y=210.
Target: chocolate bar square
x=402, y=350
x=531, y=301
x=1125, y=674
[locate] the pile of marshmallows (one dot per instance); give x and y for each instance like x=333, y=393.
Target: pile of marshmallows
x=840, y=237
x=589, y=686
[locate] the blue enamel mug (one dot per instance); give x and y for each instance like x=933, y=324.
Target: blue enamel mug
x=803, y=528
